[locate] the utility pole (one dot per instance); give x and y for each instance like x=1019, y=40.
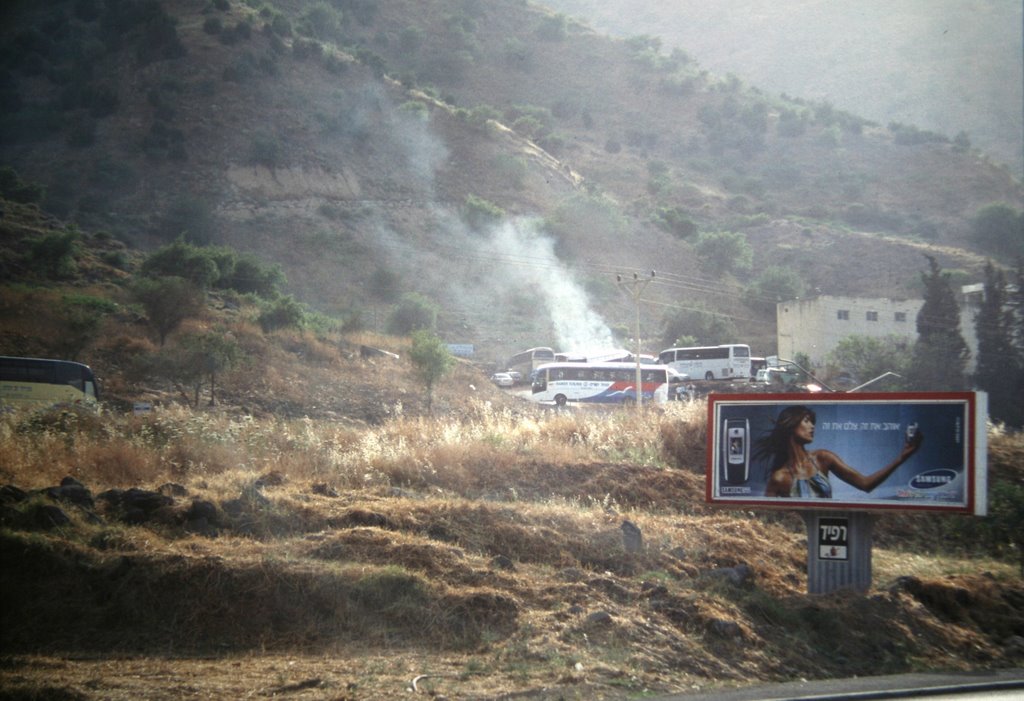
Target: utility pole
x=635, y=288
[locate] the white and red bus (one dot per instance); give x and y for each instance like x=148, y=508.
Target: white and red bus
x=604, y=383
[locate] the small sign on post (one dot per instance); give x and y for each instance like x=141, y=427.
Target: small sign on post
x=833, y=538
x=838, y=551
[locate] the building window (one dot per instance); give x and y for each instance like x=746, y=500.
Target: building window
x=901, y=317
x=872, y=316
x=843, y=315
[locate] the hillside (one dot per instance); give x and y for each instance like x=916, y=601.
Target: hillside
x=944, y=65
x=316, y=532
x=491, y=156
x=296, y=515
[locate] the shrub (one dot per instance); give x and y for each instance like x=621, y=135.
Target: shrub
x=724, y=251
x=998, y=228
x=185, y=260
x=791, y=123
x=168, y=301
x=676, y=221
x=283, y=312
x=54, y=254
x=774, y=285
x=249, y=275
x=321, y=21
x=266, y=150
x=413, y=313
x=213, y=25
x=17, y=190
x=479, y=213
x=908, y=135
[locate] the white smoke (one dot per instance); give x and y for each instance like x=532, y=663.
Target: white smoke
x=514, y=259
x=533, y=265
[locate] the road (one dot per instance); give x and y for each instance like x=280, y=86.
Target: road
x=998, y=685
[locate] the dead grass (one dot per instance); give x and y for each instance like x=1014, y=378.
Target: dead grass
x=480, y=555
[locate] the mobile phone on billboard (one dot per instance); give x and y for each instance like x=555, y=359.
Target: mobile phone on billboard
x=736, y=450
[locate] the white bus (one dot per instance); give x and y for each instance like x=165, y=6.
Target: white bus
x=608, y=383
x=725, y=362
x=525, y=362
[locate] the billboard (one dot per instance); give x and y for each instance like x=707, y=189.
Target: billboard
x=908, y=451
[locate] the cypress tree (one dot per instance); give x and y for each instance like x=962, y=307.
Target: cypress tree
x=998, y=368
x=940, y=353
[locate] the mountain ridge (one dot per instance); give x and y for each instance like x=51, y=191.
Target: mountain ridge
x=366, y=170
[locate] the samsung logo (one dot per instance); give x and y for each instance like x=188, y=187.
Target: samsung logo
x=932, y=479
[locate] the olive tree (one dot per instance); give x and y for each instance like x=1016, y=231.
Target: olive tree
x=431, y=360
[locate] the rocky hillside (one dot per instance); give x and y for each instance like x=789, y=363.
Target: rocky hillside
x=498, y=158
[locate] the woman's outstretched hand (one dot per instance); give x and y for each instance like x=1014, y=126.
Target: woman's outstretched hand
x=911, y=445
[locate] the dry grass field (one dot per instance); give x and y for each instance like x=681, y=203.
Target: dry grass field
x=478, y=555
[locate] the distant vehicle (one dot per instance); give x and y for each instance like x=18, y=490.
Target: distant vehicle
x=680, y=388
x=502, y=379
x=527, y=361
x=42, y=382
x=602, y=383
x=725, y=362
x=517, y=377
x=781, y=376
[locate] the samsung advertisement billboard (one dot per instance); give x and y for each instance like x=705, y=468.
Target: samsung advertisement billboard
x=907, y=451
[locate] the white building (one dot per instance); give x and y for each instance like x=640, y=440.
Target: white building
x=816, y=325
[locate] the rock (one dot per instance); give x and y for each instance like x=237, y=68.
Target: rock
x=610, y=588
x=599, y=619
x=172, y=489
x=47, y=517
x=271, y=479
x=678, y=552
x=325, y=490
x=73, y=492
x=9, y=494
x=135, y=505
x=725, y=629
x=738, y=576
x=632, y=538
x=501, y=562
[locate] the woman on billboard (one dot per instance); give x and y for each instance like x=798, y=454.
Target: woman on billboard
x=798, y=473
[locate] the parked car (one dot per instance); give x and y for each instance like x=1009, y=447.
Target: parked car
x=517, y=377
x=502, y=379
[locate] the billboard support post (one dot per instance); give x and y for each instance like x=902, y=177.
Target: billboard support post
x=838, y=550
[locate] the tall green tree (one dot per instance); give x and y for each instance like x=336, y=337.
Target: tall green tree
x=998, y=367
x=207, y=355
x=431, y=361
x=940, y=353
x=168, y=301
x=868, y=357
